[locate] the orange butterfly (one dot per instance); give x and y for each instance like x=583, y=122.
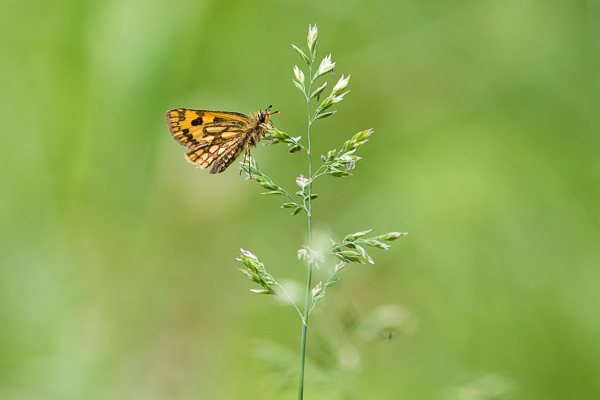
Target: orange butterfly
x=217, y=137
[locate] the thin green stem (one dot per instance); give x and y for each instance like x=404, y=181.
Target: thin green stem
x=307, y=299
x=287, y=294
x=318, y=172
x=285, y=192
x=289, y=196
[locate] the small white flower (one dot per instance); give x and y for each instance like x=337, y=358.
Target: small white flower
x=338, y=98
x=326, y=66
x=303, y=253
x=299, y=74
x=312, y=37
x=302, y=182
x=339, y=266
x=340, y=85
x=317, y=290
x=248, y=254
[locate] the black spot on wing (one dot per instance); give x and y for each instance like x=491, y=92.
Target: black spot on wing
x=190, y=139
x=197, y=121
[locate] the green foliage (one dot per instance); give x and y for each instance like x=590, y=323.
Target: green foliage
x=339, y=163
x=351, y=249
x=255, y=270
x=336, y=163
x=253, y=172
x=275, y=136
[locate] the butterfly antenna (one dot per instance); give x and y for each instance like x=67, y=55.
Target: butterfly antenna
x=269, y=112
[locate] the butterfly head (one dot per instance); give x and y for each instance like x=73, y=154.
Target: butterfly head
x=265, y=115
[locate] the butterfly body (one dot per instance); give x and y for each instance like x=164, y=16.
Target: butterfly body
x=216, y=137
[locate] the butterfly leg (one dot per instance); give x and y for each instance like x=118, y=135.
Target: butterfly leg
x=249, y=158
x=247, y=162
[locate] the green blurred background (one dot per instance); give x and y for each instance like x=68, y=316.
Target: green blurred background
x=118, y=277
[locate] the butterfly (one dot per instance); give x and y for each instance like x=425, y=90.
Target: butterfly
x=217, y=137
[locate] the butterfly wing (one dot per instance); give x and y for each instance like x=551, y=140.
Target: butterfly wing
x=195, y=128
x=229, y=155
x=222, y=154
x=214, y=136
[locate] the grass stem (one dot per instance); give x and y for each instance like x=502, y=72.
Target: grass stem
x=307, y=299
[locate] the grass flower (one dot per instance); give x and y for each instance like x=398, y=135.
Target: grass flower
x=353, y=248
x=326, y=66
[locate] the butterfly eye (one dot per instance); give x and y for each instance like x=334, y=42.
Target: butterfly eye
x=261, y=117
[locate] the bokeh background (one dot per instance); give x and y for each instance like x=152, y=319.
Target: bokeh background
x=117, y=258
